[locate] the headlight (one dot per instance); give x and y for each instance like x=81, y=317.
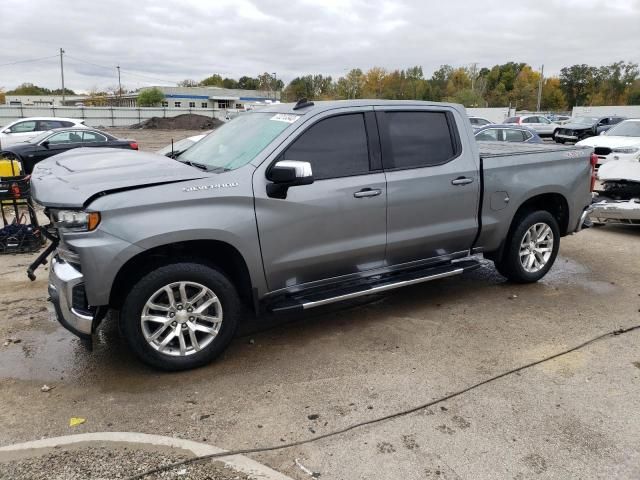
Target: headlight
x=626, y=150
x=75, y=220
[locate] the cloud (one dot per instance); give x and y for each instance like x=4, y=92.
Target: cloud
x=162, y=42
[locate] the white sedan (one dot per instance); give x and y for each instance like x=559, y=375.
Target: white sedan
x=620, y=142
x=27, y=128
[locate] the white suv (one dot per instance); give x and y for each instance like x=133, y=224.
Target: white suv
x=27, y=128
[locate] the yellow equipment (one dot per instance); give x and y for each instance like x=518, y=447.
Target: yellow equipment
x=10, y=168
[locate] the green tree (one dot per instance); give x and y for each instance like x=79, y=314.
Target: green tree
x=374, y=82
x=150, y=97
x=577, y=82
x=214, y=80
x=248, y=83
x=351, y=85
x=3, y=98
x=439, y=81
x=29, y=89
x=633, y=96
x=229, y=83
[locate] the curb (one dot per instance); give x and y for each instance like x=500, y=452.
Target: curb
x=237, y=462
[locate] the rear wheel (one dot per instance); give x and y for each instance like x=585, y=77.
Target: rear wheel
x=180, y=316
x=531, y=248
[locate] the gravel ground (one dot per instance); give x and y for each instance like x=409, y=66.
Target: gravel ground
x=152, y=140
x=102, y=463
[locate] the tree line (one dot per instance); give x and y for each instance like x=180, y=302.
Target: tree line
x=509, y=84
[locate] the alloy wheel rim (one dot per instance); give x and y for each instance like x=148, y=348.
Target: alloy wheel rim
x=536, y=247
x=181, y=318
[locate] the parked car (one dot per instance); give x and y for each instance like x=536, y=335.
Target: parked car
x=618, y=201
x=176, y=148
x=507, y=133
x=27, y=128
x=477, y=122
x=620, y=142
x=291, y=207
x=60, y=140
x=541, y=124
x=559, y=119
x=580, y=128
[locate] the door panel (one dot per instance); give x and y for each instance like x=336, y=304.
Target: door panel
x=321, y=230
x=335, y=226
x=432, y=210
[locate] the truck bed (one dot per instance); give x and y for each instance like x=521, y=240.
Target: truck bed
x=503, y=149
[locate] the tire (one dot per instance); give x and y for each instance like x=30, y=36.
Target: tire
x=512, y=265
x=191, y=338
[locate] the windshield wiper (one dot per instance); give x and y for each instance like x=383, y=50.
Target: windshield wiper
x=219, y=169
x=201, y=166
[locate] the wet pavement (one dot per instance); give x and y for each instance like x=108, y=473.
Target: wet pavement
x=291, y=378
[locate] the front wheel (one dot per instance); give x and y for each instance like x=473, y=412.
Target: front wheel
x=531, y=248
x=180, y=316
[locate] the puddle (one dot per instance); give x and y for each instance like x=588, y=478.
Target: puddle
x=569, y=272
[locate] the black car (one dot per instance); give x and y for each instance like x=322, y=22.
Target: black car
x=60, y=140
x=580, y=128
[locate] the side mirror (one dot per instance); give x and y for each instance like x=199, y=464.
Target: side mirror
x=45, y=144
x=7, y=131
x=288, y=173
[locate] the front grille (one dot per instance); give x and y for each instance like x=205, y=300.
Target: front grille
x=602, y=151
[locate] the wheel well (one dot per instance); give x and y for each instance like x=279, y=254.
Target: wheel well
x=554, y=203
x=211, y=252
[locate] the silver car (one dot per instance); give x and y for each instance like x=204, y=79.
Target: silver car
x=541, y=124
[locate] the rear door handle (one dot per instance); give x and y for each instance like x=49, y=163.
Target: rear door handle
x=461, y=181
x=367, y=192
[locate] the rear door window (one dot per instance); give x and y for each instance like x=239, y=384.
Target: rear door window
x=92, y=137
x=530, y=120
x=44, y=125
x=335, y=147
x=491, y=134
x=418, y=139
x=511, y=135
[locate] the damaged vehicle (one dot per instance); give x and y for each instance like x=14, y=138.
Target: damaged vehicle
x=292, y=207
x=618, y=202
x=579, y=128
x=621, y=142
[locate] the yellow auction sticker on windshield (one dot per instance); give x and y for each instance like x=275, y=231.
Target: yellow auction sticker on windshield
x=285, y=117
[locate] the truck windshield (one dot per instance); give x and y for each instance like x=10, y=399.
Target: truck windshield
x=238, y=141
x=585, y=120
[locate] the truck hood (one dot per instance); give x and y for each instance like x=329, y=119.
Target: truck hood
x=610, y=141
x=71, y=178
x=628, y=170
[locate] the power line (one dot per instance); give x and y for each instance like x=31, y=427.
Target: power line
x=124, y=72
x=27, y=61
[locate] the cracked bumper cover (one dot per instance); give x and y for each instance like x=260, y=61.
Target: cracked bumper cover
x=62, y=279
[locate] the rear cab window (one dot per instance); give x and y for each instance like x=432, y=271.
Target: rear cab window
x=414, y=139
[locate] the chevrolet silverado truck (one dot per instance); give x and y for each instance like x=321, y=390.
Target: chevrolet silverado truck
x=291, y=207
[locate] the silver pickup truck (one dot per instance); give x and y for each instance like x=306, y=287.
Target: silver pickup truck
x=291, y=207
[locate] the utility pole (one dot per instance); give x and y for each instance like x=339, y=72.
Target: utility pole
x=62, y=73
x=275, y=87
x=540, y=87
x=119, y=88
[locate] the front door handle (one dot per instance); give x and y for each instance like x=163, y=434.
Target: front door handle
x=461, y=181
x=367, y=192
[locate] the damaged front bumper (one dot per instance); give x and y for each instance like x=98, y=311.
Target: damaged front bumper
x=66, y=289
x=618, y=212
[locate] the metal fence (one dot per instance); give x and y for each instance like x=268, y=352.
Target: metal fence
x=103, y=116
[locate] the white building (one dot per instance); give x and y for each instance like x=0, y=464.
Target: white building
x=214, y=97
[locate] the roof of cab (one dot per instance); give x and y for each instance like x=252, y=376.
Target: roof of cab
x=321, y=106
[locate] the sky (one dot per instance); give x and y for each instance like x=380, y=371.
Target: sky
x=158, y=42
